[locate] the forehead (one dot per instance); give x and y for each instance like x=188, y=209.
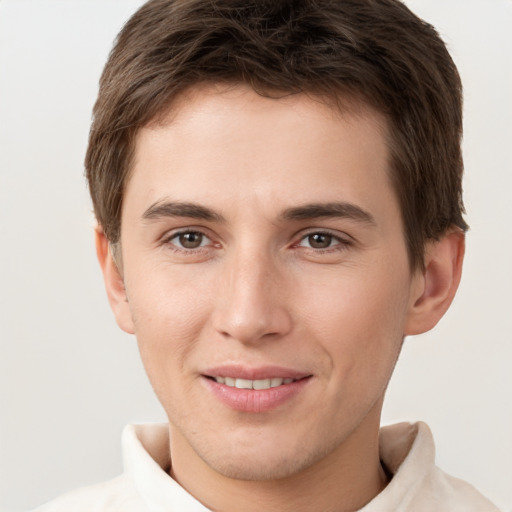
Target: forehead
x=227, y=98
x=229, y=144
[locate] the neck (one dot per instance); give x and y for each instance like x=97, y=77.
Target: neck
x=345, y=480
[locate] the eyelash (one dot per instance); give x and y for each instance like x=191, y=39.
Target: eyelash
x=341, y=244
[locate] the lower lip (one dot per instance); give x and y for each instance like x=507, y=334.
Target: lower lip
x=252, y=400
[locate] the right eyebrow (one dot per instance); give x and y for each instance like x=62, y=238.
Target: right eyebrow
x=164, y=209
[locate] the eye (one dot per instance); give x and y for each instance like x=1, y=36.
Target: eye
x=189, y=240
x=321, y=240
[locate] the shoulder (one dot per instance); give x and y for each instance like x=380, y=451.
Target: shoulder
x=443, y=493
x=447, y=493
x=119, y=494
x=417, y=484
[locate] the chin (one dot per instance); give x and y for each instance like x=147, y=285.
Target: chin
x=258, y=463
x=260, y=470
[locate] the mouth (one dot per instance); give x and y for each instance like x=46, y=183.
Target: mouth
x=255, y=390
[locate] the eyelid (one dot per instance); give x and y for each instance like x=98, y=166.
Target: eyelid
x=341, y=236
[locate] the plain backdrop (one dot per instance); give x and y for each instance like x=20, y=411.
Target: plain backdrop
x=70, y=379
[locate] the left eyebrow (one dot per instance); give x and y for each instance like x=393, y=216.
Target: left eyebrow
x=326, y=210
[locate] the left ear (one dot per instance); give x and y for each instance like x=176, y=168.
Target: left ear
x=436, y=286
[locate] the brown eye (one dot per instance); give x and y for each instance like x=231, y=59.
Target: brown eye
x=319, y=240
x=191, y=240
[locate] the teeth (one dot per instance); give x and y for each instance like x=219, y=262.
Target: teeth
x=261, y=384
x=253, y=384
x=243, y=384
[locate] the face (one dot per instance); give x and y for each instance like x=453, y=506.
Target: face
x=266, y=276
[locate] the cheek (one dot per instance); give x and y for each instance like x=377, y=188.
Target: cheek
x=359, y=320
x=167, y=298
x=168, y=309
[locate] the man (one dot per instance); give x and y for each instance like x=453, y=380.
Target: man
x=278, y=192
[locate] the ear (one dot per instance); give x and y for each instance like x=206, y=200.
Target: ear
x=114, y=283
x=435, y=287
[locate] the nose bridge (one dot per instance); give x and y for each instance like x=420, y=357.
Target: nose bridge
x=251, y=304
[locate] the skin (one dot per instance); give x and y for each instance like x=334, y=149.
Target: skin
x=331, y=296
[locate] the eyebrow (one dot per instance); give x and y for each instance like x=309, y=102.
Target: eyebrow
x=163, y=209
x=329, y=210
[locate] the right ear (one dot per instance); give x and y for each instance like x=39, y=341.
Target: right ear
x=114, y=283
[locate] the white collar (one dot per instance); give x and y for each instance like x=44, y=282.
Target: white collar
x=407, y=451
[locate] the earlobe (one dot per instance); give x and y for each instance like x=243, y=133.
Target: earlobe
x=437, y=285
x=114, y=283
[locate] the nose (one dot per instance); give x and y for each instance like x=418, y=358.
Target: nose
x=251, y=302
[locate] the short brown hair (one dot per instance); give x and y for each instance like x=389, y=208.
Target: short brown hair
x=376, y=51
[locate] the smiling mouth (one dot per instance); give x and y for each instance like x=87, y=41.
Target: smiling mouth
x=235, y=389
x=258, y=384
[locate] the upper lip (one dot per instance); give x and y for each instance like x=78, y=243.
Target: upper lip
x=259, y=373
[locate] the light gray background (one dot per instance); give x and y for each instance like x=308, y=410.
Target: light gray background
x=70, y=380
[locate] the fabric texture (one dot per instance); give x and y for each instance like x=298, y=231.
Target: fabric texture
x=407, y=451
